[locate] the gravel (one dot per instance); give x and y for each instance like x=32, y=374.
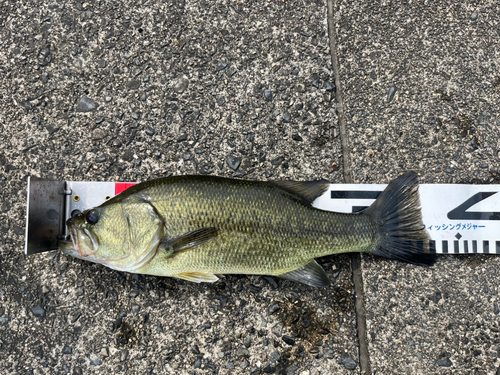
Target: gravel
x=86, y=105
x=113, y=91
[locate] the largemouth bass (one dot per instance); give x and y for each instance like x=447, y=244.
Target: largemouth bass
x=197, y=227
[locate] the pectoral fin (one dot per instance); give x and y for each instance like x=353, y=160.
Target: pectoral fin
x=197, y=277
x=189, y=240
x=311, y=274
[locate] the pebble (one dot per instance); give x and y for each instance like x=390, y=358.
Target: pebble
x=268, y=94
x=262, y=156
x=496, y=310
x=197, y=364
x=135, y=309
x=101, y=159
x=276, y=355
x=392, y=92
x=134, y=293
x=76, y=317
x=182, y=138
x=255, y=288
x=67, y=350
x=474, y=16
x=349, y=363
x=287, y=117
x=271, y=281
x=291, y=370
x=297, y=138
x=220, y=100
x=134, y=84
x=38, y=311
x=45, y=78
x=277, y=329
x=233, y=162
x=150, y=131
x=247, y=342
x=336, y=273
x=444, y=362
x=95, y=362
x=230, y=365
x=273, y=308
x=180, y=84
x=86, y=105
x=242, y=352
x=289, y=340
x=315, y=80
x=328, y=86
x=221, y=65
x=269, y=369
x=277, y=161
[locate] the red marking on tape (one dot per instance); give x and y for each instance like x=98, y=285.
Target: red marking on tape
x=122, y=186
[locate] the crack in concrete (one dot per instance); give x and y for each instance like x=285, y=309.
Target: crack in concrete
x=364, y=359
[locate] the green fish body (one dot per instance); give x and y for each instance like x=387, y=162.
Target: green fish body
x=197, y=227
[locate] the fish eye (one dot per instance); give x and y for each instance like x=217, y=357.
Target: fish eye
x=92, y=217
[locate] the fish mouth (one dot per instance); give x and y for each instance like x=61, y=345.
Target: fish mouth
x=74, y=238
x=77, y=250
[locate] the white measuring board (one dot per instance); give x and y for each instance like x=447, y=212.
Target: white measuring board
x=461, y=219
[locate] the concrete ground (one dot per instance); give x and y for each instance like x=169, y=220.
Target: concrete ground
x=105, y=91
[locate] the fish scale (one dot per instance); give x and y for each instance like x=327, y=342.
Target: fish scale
x=259, y=235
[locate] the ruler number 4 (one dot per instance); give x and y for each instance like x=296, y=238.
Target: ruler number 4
x=459, y=212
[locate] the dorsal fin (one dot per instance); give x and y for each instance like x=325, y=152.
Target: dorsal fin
x=308, y=191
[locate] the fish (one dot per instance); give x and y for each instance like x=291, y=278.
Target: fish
x=198, y=228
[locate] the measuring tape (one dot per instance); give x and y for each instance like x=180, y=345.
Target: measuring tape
x=461, y=219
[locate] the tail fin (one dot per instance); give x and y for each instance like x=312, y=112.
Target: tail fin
x=401, y=232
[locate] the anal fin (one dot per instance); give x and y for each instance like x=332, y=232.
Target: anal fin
x=197, y=277
x=311, y=274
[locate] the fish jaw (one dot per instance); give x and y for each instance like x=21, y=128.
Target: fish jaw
x=77, y=237
x=74, y=239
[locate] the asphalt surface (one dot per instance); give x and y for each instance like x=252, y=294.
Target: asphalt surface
x=118, y=91
x=442, y=122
